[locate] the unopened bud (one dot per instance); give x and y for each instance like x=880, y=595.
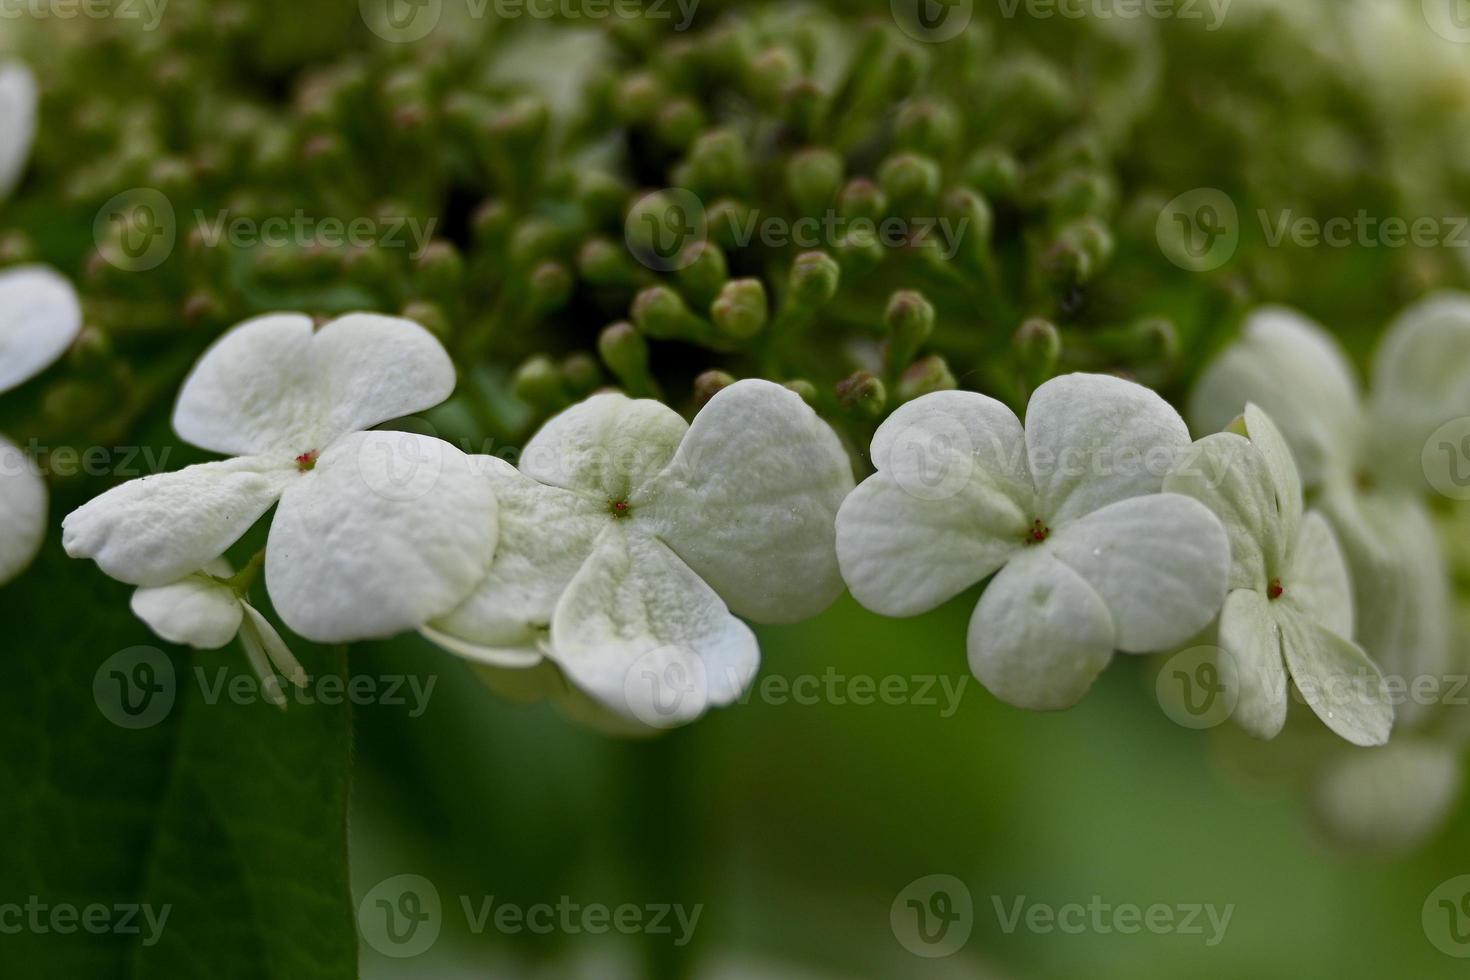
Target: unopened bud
x=1038, y=346
x=925, y=376
x=910, y=321
x=708, y=385
x=813, y=178
x=911, y=181
x=538, y=383
x=815, y=277
x=740, y=311
x=862, y=395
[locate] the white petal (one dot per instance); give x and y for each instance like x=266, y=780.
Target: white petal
x=1040, y=634
x=1401, y=585
x=951, y=501
x=23, y=508
x=40, y=316
x=275, y=648
x=1227, y=474
x=1421, y=380
x=1160, y=563
x=1390, y=798
x=1092, y=440
x=390, y=531
x=274, y=384
x=156, y=530
x=1318, y=580
x=19, y=102
x=197, y=611
x=546, y=533
x=605, y=447
x=646, y=637
x=750, y=500
x=1254, y=668
x=1296, y=372
x=1335, y=678
x=1285, y=478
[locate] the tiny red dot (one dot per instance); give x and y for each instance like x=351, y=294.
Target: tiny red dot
x=1274, y=590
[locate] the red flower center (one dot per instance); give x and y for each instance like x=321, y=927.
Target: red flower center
x=306, y=462
x=1274, y=590
x=1038, y=532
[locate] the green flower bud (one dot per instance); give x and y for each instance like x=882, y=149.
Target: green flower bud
x=1034, y=90
x=863, y=199
x=661, y=313
x=718, y=163
x=1038, y=346
x=909, y=319
x=679, y=123
x=639, y=97
x=859, y=253
x=430, y=316
x=910, y=181
x=439, y=271
x=491, y=222
x=625, y=352
x=551, y=286
x=971, y=225
x=994, y=172
x=805, y=389
x=726, y=220
x=813, y=177
x=1154, y=340
x=740, y=311
x=532, y=241
x=708, y=385
x=928, y=126
x=769, y=75
x=862, y=395
x=538, y=383
x=805, y=106
x=702, y=271
x=1078, y=193
x=925, y=376
x=601, y=196
x=581, y=373
x=814, y=279
x=603, y=262
x=91, y=350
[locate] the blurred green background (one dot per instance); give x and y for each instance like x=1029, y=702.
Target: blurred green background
x=794, y=828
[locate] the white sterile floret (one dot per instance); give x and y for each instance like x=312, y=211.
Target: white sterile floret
x=376, y=533
x=1088, y=556
x=630, y=540
x=1290, y=608
x=1364, y=460
x=19, y=100
x=40, y=316
x=204, y=611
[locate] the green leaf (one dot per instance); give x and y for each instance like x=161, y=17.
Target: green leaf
x=224, y=811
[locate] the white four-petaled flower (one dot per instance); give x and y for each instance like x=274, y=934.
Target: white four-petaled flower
x=376, y=532
x=40, y=316
x=1363, y=459
x=204, y=611
x=631, y=539
x=1290, y=607
x=1088, y=556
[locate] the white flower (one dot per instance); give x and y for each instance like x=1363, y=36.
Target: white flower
x=376, y=532
x=18, y=103
x=1088, y=556
x=1290, y=606
x=629, y=538
x=40, y=316
x=1363, y=460
x=204, y=611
